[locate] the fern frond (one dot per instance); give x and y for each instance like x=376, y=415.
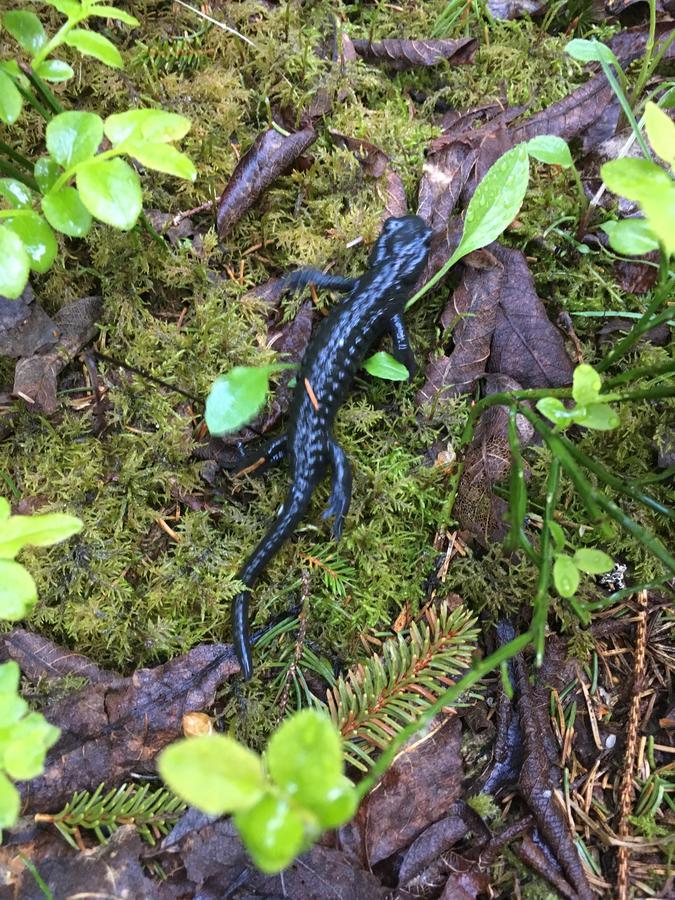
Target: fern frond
x=152, y=811
x=379, y=697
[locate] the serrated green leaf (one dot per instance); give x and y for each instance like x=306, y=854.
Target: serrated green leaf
x=594, y=562
x=66, y=213
x=162, y=158
x=10, y=802
x=383, y=365
x=152, y=125
x=92, y=44
x=111, y=191
x=14, y=263
x=54, y=70
x=551, y=149
x=597, y=416
x=630, y=237
x=586, y=384
x=37, y=238
x=36, y=531
x=661, y=133
x=26, y=29
x=214, y=772
x=73, y=137
x=110, y=12
x=18, y=593
x=565, y=575
x=495, y=202
x=272, y=832
x=16, y=193
x=10, y=99
x=591, y=51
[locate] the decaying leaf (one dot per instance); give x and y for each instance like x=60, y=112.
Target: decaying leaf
x=25, y=328
x=404, y=54
x=376, y=164
x=270, y=156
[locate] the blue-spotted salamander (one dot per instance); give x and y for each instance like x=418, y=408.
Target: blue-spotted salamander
x=373, y=306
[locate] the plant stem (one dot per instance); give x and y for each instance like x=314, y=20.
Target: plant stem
x=42, y=89
x=11, y=171
x=480, y=669
x=32, y=100
x=17, y=157
x=667, y=368
x=648, y=320
x=57, y=39
x=625, y=106
x=65, y=177
x=541, y=600
x=647, y=58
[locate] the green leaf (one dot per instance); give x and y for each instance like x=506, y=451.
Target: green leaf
x=661, y=133
x=109, y=12
x=162, y=158
x=383, y=365
x=55, y=70
x=551, y=149
x=69, y=8
x=11, y=67
x=630, y=237
x=12, y=708
x=555, y=410
x=235, y=398
x=10, y=802
x=152, y=125
x=10, y=100
x=597, y=416
x=5, y=509
x=10, y=675
x=37, y=531
x=304, y=756
x=46, y=171
x=92, y=44
x=26, y=29
x=635, y=178
x=30, y=740
x=213, y=772
x=73, y=137
x=595, y=562
x=66, y=213
x=565, y=575
x=272, y=832
x=591, y=51
x=557, y=534
x=16, y=193
x=18, y=593
x=111, y=191
x=37, y=237
x=14, y=263
x=586, y=384
x=495, y=202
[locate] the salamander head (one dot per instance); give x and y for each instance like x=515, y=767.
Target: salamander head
x=404, y=243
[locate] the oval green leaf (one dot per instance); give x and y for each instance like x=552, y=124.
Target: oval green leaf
x=557, y=534
x=66, y=213
x=554, y=410
x=37, y=237
x=586, y=384
x=38, y=531
x=162, y=158
x=92, y=44
x=110, y=12
x=152, y=125
x=636, y=179
x=46, y=171
x=597, y=416
x=235, y=398
x=73, y=137
x=630, y=237
x=111, y=191
x=10, y=676
x=272, y=832
x=14, y=264
x=16, y=193
x=661, y=133
x=496, y=201
x=591, y=51
x=213, y=772
x=54, y=70
x=26, y=29
x=551, y=149
x=383, y=365
x=10, y=100
x=565, y=576
x=595, y=562
x=18, y=593
x=30, y=740
x=10, y=802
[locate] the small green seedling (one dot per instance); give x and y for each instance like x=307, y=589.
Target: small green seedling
x=567, y=569
x=589, y=410
x=280, y=802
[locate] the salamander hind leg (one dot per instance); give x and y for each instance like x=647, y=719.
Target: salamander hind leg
x=263, y=458
x=341, y=490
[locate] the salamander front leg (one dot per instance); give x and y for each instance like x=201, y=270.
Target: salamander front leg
x=263, y=458
x=303, y=277
x=341, y=490
x=401, y=349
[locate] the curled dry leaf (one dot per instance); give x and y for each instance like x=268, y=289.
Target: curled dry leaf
x=405, y=54
x=270, y=156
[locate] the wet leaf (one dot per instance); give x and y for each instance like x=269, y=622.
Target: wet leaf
x=273, y=832
x=270, y=156
x=162, y=158
x=37, y=238
x=26, y=29
x=16, y=193
x=586, y=384
x=65, y=211
x=73, y=137
x=14, y=263
x=54, y=70
x=405, y=54
x=235, y=398
x=46, y=171
x=383, y=365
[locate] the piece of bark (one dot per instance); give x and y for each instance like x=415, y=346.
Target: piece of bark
x=270, y=156
x=406, y=54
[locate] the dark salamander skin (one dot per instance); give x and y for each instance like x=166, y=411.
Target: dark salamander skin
x=373, y=307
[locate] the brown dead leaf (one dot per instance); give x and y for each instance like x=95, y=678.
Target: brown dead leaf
x=38, y=658
x=25, y=328
x=376, y=164
x=405, y=54
x=35, y=376
x=117, y=725
x=270, y=156
x=444, y=175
